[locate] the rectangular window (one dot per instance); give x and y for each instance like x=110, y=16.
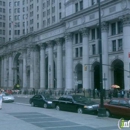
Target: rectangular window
x=76, y=52
x=0, y=24
x=37, y=8
x=3, y=24
x=93, y=49
x=59, y=5
x=113, y=29
x=81, y=5
x=3, y=32
x=76, y=38
x=114, y=45
x=76, y=7
x=37, y=25
x=9, y=32
x=92, y=2
x=119, y=44
x=60, y=15
x=93, y=34
x=3, y=10
x=81, y=52
x=37, y=16
x=53, y=19
x=97, y=33
x=3, y=3
x=120, y=27
x=0, y=2
x=81, y=38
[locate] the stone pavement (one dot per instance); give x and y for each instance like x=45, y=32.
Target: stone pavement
x=24, y=117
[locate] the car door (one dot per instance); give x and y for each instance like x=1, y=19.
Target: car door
x=124, y=108
x=34, y=100
x=70, y=106
x=113, y=106
x=62, y=103
x=40, y=100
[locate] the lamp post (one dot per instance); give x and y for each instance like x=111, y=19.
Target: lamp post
x=101, y=111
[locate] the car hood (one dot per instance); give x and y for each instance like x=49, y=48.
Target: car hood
x=87, y=102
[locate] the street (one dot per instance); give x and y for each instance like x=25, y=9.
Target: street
x=21, y=116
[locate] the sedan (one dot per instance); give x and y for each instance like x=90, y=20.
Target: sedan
x=118, y=106
x=42, y=100
x=76, y=103
x=7, y=97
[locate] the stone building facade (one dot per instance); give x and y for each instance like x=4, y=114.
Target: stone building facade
x=65, y=56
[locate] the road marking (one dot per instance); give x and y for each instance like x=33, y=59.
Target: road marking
x=22, y=104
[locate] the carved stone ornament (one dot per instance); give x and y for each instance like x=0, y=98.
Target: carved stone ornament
x=124, y=4
x=126, y=19
x=85, y=31
x=104, y=26
x=68, y=36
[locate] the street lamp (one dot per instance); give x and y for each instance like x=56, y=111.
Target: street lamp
x=101, y=111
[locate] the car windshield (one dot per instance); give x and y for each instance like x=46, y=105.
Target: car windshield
x=79, y=98
x=48, y=97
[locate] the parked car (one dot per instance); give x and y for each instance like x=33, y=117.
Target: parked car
x=76, y=103
x=6, y=97
x=118, y=106
x=42, y=100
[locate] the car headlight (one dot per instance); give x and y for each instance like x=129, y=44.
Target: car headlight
x=88, y=107
x=49, y=102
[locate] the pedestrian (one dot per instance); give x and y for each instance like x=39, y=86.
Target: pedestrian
x=0, y=100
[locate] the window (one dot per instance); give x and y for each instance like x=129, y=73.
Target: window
x=37, y=1
x=93, y=49
x=37, y=25
x=80, y=51
x=37, y=16
x=53, y=19
x=114, y=102
x=44, y=23
x=9, y=10
x=76, y=52
x=53, y=1
x=37, y=8
x=9, y=4
x=0, y=24
x=119, y=44
x=23, y=9
x=3, y=24
x=48, y=12
x=60, y=15
x=3, y=32
x=92, y=2
x=43, y=5
x=81, y=5
x=113, y=29
x=93, y=34
x=9, y=32
x=0, y=31
x=0, y=2
x=59, y=5
x=80, y=37
x=114, y=45
x=76, y=7
x=120, y=27
x=97, y=33
x=48, y=21
x=44, y=14
x=3, y=3
x=53, y=9
x=3, y=10
x=76, y=38
x=48, y=3
x=23, y=2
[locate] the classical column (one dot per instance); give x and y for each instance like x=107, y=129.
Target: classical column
x=85, y=58
x=2, y=71
x=59, y=64
x=31, y=67
x=42, y=66
x=24, y=69
x=68, y=62
x=36, y=68
x=105, y=55
x=5, y=71
x=126, y=50
x=10, y=72
x=50, y=66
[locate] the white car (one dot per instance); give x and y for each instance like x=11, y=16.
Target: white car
x=7, y=97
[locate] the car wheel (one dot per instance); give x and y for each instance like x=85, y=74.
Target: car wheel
x=57, y=108
x=108, y=114
x=32, y=104
x=45, y=105
x=79, y=110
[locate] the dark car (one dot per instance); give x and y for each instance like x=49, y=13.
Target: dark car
x=118, y=106
x=76, y=103
x=42, y=100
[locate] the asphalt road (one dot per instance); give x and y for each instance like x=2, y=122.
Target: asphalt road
x=24, y=100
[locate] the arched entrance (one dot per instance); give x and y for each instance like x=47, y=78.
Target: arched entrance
x=96, y=74
x=118, y=73
x=16, y=78
x=78, y=76
x=46, y=73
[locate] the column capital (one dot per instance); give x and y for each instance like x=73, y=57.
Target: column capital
x=104, y=26
x=68, y=36
x=125, y=19
x=58, y=41
x=84, y=31
x=49, y=43
x=42, y=46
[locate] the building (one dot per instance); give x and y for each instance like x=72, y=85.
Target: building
x=64, y=55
